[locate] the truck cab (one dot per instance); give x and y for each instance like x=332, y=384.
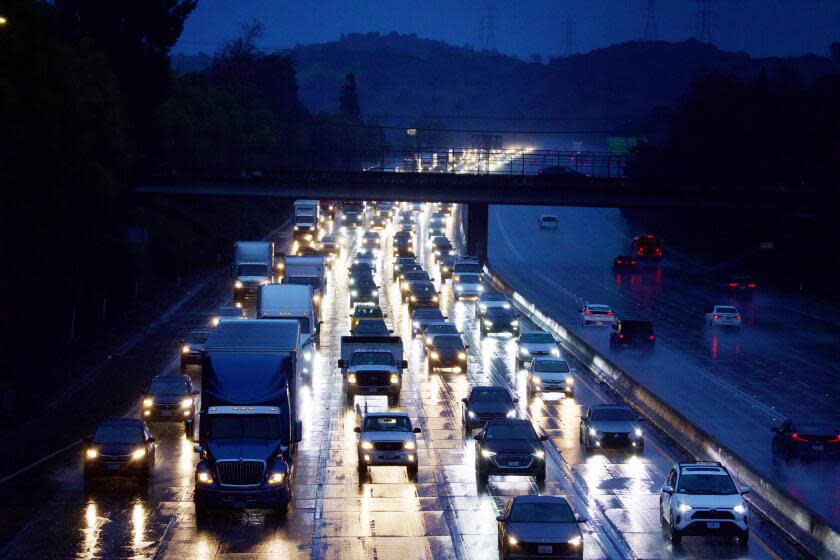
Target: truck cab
x=372, y=365
x=253, y=267
x=307, y=220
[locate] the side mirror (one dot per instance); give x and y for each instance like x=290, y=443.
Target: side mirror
x=198, y=448
x=745, y=490
x=298, y=435
x=404, y=364
x=543, y=437
x=342, y=364
x=581, y=519
x=501, y=518
x=668, y=489
x=465, y=400
x=416, y=430
x=466, y=346
x=478, y=437
x=357, y=429
x=516, y=399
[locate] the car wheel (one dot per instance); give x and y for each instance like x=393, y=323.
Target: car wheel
x=282, y=510
x=674, y=535
x=743, y=538
x=570, y=394
x=540, y=476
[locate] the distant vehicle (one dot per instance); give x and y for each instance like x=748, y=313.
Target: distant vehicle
x=307, y=221
x=422, y=318
x=632, y=334
x=352, y=214
x=377, y=223
x=741, y=284
x=122, y=446
x=548, y=221
x=372, y=365
x=422, y=294
x=364, y=291
x=412, y=277
x=647, y=246
x=169, y=398
x=401, y=262
x=365, y=312
x=485, y=403
x=253, y=266
x=466, y=265
x=467, y=285
x=307, y=271
x=492, y=298
x=293, y=301
x=227, y=313
x=804, y=438
x=327, y=208
x=542, y=526
x=534, y=344
x=403, y=248
x=609, y=426
x=701, y=499
x=371, y=328
x=192, y=345
x=366, y=259
x=596, y=314
x=624, y=262
x=435, y=329
x=499, y=320
x=560, y=171
x=387, y=439
x=724, y=316
x=445, y=208
x=547, y=374
x=441, y=246
x=447, y=351
x=447, y=263
x=330, y=246
x=435, y=230
x=509, y=446
x=437, y=219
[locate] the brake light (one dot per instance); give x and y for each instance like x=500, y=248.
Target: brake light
x=733, y=284
x=541, y=172
x=589, y=313
x=659, y=251
x=751, y=284
x=652, y=337
x=717, y=317
x=633, y=261
x=835, y=440
x=620, y=335
x=737, y=317
x=797, y=437
x=609, y=313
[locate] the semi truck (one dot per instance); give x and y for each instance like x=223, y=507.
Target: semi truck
x=372, y=365
x=306, y=221
x=290, y=301
x=248, y=424
x=352, y=214
x=307, y=271
x=253, y=266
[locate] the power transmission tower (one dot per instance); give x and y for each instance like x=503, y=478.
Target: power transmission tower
x=706, y=22
x=650, y=24
x=568, y=36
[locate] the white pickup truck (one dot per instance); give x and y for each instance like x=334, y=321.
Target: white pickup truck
x=372, y=365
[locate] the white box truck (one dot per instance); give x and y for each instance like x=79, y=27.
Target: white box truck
x=306, y=221
x=253, y=266
x=289, y=301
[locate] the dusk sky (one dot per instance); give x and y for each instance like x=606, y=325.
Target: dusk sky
x=759, y=27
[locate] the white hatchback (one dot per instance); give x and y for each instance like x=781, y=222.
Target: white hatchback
x=548, y=221
x=724, y=316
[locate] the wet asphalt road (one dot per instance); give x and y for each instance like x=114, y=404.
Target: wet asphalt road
x=335, y=515
x=784, y=361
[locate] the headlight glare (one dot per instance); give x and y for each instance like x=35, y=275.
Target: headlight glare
x=740, y=508
x=511, y=413
x=186, y=403
x=684, y=507
x=367, y=445
x=147, y=402
x=138, y=453
x=91, y=453
x=487, y=454
x=409, y=445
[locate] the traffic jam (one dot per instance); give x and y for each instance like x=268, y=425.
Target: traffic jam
x=368, y=373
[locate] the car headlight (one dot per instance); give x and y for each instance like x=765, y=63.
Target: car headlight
x=539, y=454
x=237, y=284
x=481, y=288
x=395, y=378
x=684, y=507
x=147, y=402
x=277, y=478
x=471, y=414
x=409, y=445
x=215, y=321
x=511, y=413
x=575, y=541
x=462, y=356
x=514, y=323
x=186, y=403
x=367, y=445
x=445, y=269
x=570, y=380
x=204, y=477
x=434, y=298
x=554, y=351
x=434, y=355
x=506, y=306
x=354, y=293
x=459, y=288
x=351, y=378
x=524, y=351
x=185, y=349
x=593, y=432
x=307, y=356
x=512, y=541
x=316, y=298
x=352, y=281
x=91, y=453
x=487, y=454
x=637, y=432
x=488, y=323
x=138, y=453
x=413, y=298
x=295, y=228
x=374, y=293
x=740, y=508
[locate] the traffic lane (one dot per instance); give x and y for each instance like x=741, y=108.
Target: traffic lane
x=737, y=418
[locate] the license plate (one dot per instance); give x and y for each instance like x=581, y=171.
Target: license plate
x=374, y=389
x=113, y=466
x=166, y=413
x=513, y=463
x=544, y=549
x=713, y=525
x=818, y=447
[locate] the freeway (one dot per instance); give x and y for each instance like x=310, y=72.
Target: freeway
x=736, y=385
x=335, y=515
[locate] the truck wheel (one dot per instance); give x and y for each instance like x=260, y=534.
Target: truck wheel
x=482, y=476
x=394, y=399
x=412, y=472
x=540, y=476
x=282, y=510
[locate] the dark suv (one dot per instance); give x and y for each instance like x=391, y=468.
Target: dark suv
x=632, y=334
x=509, y=446
x=486, y=403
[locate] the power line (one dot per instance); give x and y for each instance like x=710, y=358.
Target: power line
x=650, y=25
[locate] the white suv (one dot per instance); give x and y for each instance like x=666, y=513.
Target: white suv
x=701, y=498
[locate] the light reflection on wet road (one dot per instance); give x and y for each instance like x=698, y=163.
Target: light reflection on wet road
x=335, y=515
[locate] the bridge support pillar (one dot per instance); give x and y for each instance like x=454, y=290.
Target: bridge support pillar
x=477, y=222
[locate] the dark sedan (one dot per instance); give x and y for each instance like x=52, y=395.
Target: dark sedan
x=442, y=246
x=422, y=318
x=447, y=351
x=169, y=398
x=499, y=320
x=447, y=263
x=371, y=328
x=122, y=446
x=632, y=334
x=541, y=527
x=364, y=291
x=192, y=346
x=404, y=248
x=807, y=439
x=402, y=270
x=510, y=447
x=422, y=294
x=409, y=278
x=486, y=403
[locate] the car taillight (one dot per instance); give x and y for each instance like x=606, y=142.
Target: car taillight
x=717, y=316
x=733, y=284
x=541, y=172
x=588, y=313
x=737, y=317
x=633, y=262
x=751, y=284
x=609, y=313
x=659, y=251
x=652, y=337
x=620, y=335
x=835, y=440
x=797, y=437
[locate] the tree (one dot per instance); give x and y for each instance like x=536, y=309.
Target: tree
x=348, y=100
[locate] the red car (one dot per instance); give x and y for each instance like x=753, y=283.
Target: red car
x=647, y=246
x=624, y=262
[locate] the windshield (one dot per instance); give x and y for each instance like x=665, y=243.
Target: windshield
x=169, y=387
x=490, y=395
x=250, y=426
x=416, y=275
x=252, y=270
x=510, y=431
x=725, y=310
x=696, y=483
x=304, y=324
x=551, y=366
x=448, y=341
x=469, y=279
x=442, y=329
x=423, y=289
x=372, y=359
x=368, y=312
x=423, y=314
x=613, y=414
x=467, y=267
x=538, y=338
x=541, y=512
x=305, y=220
x=372, y=328
x=387, y=424
x=118, y=433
